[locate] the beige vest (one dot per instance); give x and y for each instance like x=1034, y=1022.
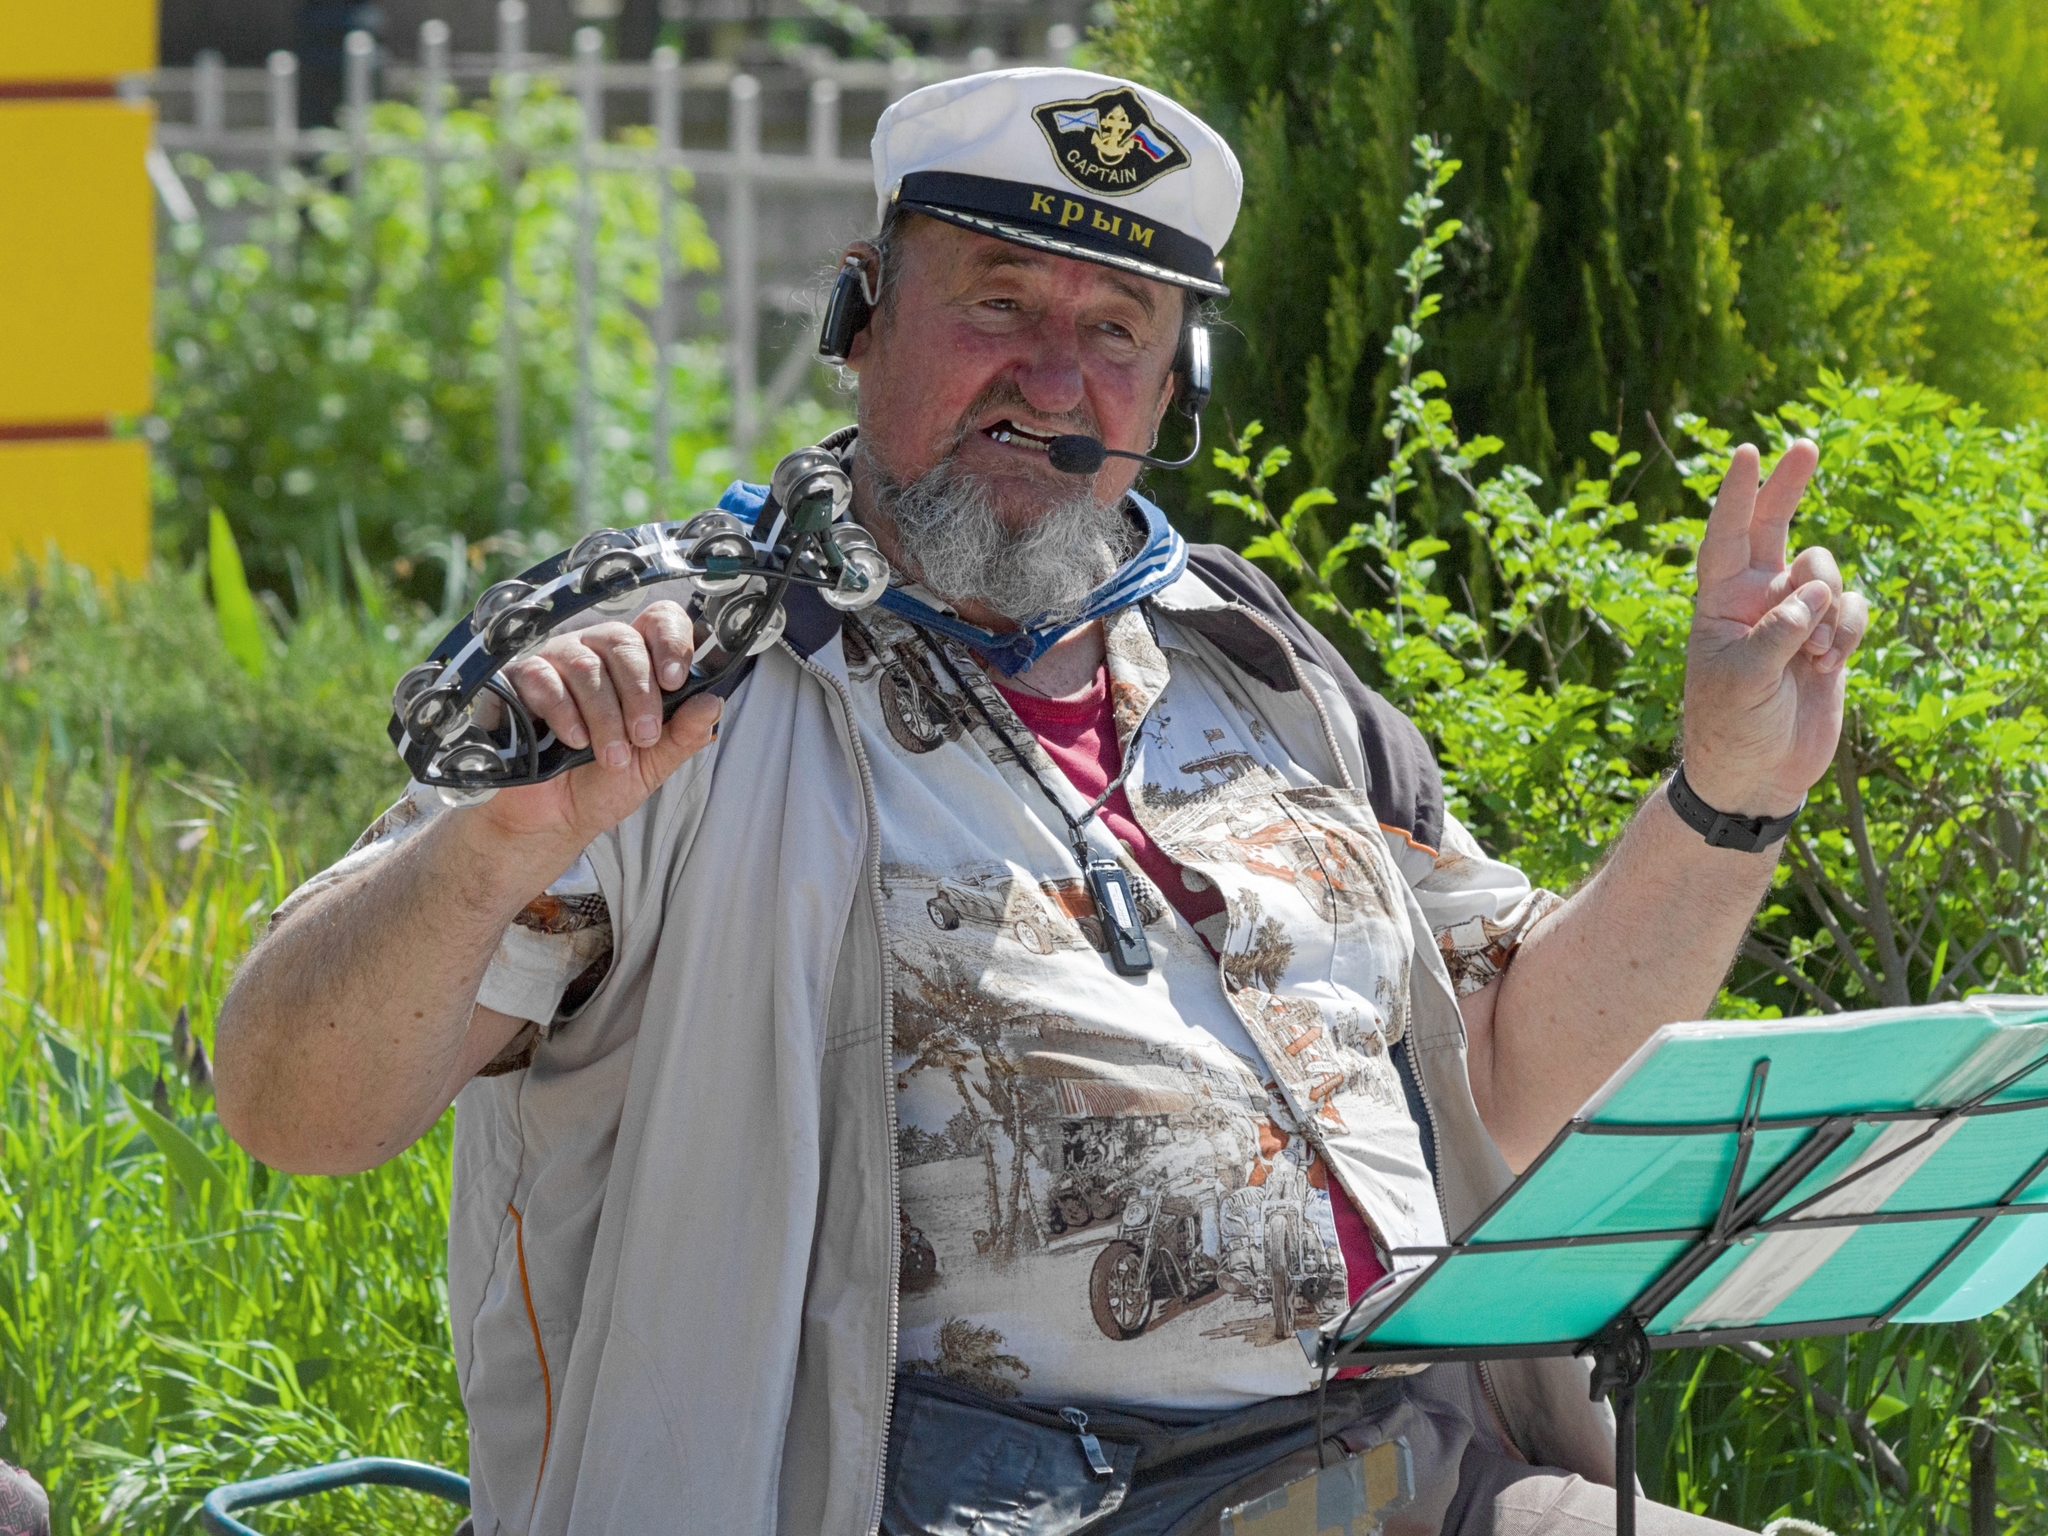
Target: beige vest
x=694, y=1184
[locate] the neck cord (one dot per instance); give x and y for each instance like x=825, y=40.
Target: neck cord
x=1077, y=827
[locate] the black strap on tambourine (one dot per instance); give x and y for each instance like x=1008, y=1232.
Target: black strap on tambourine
x=734, y=578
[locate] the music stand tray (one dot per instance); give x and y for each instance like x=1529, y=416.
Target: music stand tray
x=1747, y=1179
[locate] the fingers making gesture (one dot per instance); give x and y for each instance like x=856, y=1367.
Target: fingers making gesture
x=1772, y=633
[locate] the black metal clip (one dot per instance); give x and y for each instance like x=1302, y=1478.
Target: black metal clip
x=1116, y=908
x=1621, y=1359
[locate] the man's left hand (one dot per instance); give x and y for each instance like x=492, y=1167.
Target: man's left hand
x=1766, y=664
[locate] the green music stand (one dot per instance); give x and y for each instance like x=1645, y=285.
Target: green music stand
x=1747, y=1180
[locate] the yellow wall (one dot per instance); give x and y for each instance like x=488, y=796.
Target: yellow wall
x=91, y=497
x=75, y=267
x=76, y=242
x=83, y=40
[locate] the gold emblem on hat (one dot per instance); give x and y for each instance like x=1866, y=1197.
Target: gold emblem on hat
x=1108, y=143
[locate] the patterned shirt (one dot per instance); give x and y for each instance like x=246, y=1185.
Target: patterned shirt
x=1114, y=1189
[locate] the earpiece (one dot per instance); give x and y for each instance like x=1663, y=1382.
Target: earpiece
x=1192, y=377
x=848, y=311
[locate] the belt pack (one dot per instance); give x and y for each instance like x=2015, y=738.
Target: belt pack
x=962, y=1463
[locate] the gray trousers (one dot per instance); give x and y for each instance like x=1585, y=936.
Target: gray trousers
x=1500, y=1496
x=1496, y=1493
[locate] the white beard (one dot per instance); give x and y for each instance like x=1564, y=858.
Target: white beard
x=951, y=535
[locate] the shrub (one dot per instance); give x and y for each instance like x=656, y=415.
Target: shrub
x=331, y=383
x=1671, y=207
x=1916, y=872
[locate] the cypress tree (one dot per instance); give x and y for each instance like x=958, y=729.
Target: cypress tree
x=1593, y=279
x=1885, y=224
x=1666, y=205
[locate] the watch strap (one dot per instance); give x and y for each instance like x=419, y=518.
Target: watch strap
x=1745, y=834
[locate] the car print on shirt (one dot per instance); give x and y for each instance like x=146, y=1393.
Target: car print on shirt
x=1089, y=1185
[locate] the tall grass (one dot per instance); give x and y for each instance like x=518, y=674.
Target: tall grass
x=172, y=1314
x=1723, y=1436
x=137, y=670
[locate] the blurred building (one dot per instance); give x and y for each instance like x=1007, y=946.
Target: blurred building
x=245, y=31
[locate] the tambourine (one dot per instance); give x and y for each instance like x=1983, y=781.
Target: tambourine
x=461, y=727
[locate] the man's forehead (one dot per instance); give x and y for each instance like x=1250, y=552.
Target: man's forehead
x=973, y=251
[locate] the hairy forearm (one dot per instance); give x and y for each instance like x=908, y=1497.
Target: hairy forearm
x=350, y=1027
x=1645, y=942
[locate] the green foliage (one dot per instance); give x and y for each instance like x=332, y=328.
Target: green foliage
x=1592, y=278
x=173, y=1315
x=1668, y=207
x=867, y=34
x=1719, y=1435
x=1882, y=223
x=1916, y=872
x=233, y=607
x=2006, y=42
x=141, y=671
x=331, y=384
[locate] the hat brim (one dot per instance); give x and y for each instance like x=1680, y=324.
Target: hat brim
x=1018, y=234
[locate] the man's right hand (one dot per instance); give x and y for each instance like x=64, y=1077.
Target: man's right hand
x=350, y=1027
x=601, y=687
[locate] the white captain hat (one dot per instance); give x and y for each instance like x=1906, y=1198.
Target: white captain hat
x=1080, y=164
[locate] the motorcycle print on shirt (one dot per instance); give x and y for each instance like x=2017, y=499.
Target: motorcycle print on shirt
x=1165, y=1174
x=1117, y=1187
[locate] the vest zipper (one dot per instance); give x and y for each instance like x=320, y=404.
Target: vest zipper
x=1301, y=682
x=1098, y=1464
x=867, y=789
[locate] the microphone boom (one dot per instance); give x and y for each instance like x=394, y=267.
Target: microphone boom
x=1076, y=453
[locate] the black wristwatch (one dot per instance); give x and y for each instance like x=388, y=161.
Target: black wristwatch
x=1745, y=834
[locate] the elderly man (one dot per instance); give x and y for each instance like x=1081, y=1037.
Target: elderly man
x=1070, y=902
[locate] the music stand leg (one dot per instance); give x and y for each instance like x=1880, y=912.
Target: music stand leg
x=1625, y=1460
x=1621, y=1359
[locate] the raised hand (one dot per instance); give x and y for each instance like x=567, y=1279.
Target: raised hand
x=601, y=687
x=1766, y=663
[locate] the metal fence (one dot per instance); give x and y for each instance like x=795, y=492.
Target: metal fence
x=823, y=194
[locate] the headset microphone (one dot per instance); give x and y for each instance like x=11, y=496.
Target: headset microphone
x=1075, y=453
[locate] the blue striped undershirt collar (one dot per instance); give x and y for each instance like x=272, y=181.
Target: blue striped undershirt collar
x=1155, y=566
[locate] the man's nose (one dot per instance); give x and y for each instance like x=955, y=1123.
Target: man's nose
x=1049, y=371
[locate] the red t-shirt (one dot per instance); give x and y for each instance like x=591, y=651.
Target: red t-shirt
x=1078, y=733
